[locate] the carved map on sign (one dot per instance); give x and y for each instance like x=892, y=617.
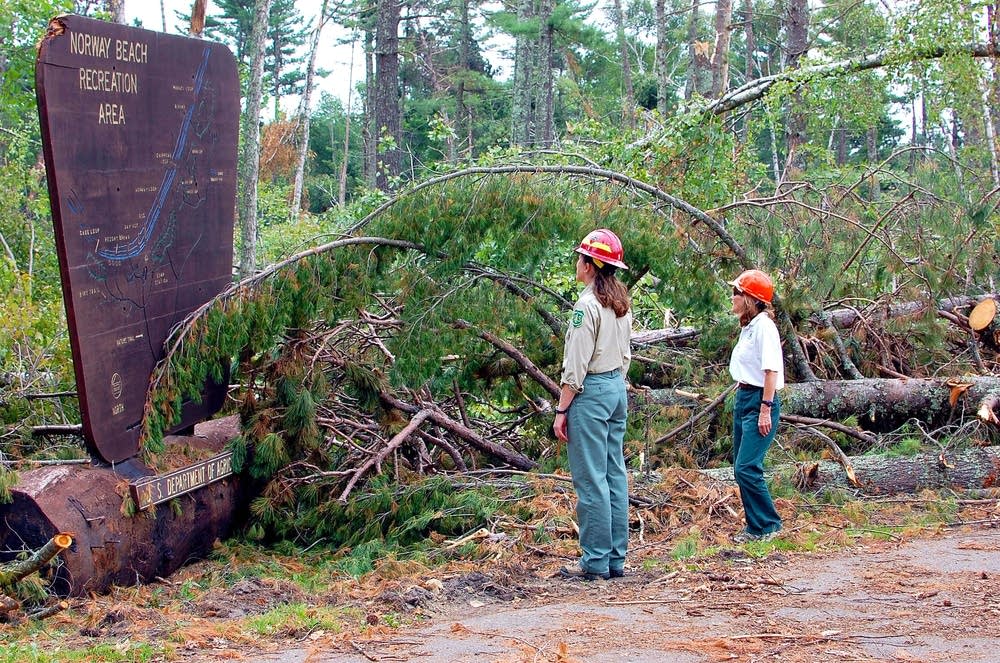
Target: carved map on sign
x=139, y=131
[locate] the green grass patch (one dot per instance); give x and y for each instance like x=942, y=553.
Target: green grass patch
x=130, y=652
x=295, y=620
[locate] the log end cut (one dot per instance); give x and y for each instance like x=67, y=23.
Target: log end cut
x=983, y=314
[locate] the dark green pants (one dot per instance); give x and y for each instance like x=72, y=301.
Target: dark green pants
x=749, y=448
x=596, y=427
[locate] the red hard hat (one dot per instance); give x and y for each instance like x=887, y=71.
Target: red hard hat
x=755, y=283
x=604, y=247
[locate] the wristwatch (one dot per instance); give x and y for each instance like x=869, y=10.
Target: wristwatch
x=762, y=402
x=558, y=411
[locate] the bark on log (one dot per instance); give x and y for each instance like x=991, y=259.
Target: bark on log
x=12, y=573
x=886, y=404
x=844, y=318
x=885, y=475
x=882, y=405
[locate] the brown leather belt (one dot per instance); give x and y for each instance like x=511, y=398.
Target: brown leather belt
x=747, y=387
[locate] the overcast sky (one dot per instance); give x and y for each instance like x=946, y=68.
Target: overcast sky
x=333, y=57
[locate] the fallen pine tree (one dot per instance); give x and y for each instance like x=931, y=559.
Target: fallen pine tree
x=880, y=474
x=883, y=405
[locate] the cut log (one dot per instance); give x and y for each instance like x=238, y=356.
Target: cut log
x=14, y=572
x=886, y=404
x=882, y=405
x=985, y=323
x=844, y=318
x=965, y=469
x=110, y=548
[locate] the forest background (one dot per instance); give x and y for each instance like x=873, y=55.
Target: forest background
x=849, y=148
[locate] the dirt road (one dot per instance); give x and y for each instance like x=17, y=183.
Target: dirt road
x=929, y=599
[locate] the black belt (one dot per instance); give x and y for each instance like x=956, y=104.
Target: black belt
x=748, y=387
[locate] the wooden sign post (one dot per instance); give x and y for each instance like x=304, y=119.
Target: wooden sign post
x=139, y=131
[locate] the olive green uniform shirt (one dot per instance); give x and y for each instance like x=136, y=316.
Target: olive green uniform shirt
x=596, y=341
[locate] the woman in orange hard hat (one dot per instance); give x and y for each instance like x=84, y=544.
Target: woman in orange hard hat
x=590, y=416
x=757, y=366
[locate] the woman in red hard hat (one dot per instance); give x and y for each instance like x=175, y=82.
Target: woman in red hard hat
x=757, y=366
x=592, y=408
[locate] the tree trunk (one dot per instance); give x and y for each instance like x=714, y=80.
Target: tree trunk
x=882, y=405
x=197, y=18
x=250, y=153
x=463, y=115
x=370, y=133
x=886, y=404
x=342, y=184
x=662, y=76
x=522, y=105
x=303, y=115
x=628, y=103
x=888, y=475
x=720, y=56
x=116, y=8
x=750, y=69
x=545, y=90
x=691, y=86
x=844, y=318
x=388, y=139
x=796, y=44
x=871, y=143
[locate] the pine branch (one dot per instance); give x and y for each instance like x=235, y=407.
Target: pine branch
x=512, y=352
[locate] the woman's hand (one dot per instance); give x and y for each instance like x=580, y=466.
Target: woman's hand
x=764, y=420
x=559, y=428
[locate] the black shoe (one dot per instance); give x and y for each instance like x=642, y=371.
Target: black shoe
x=616, y=573
x=576, y=572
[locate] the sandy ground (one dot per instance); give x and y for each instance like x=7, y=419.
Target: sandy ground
x=929, y=599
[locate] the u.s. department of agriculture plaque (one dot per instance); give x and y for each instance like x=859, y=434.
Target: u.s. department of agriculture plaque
x=139, y=131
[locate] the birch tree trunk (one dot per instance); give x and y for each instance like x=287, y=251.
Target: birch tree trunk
x=249, y=166
x=387, y=112
x=304, y=116
x=720, y=57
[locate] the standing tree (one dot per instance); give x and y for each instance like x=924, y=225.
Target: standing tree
x=249, y=165
x=386, y=111
x=302, y=135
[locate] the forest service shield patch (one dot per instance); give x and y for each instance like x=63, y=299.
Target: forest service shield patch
x=577, y=318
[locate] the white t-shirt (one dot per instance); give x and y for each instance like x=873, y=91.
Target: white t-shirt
x=757, y=350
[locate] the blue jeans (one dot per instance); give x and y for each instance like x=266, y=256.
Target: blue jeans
x=596, y=428
x=749, y=448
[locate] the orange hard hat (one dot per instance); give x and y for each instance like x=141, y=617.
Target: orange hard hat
x=604, y=247
x=755, y=283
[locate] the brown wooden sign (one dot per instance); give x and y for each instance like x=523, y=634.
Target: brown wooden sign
x=139, y=131
x=148, y=491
